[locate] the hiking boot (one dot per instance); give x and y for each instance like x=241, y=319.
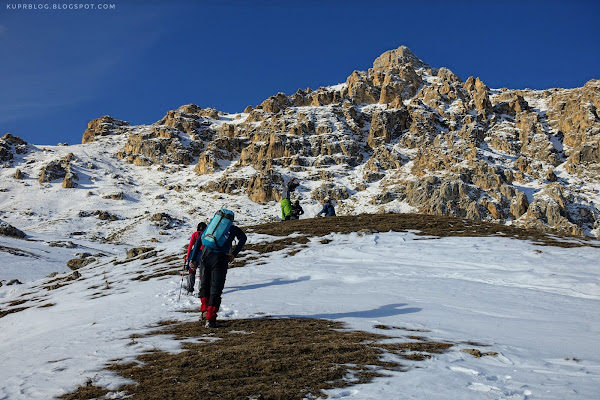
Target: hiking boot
x=211, y=324
x=203, y=316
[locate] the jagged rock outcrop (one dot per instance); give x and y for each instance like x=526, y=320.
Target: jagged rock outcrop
x=103, y=126
x=11, y=145
x=59, y=169
x=554, y=206
x=175, y=139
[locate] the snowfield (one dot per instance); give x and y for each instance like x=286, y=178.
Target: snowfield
x=537, y=307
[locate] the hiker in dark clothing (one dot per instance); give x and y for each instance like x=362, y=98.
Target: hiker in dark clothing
x=191, y=279
x=291, y=186
x=214, y=271
x=327, y=209
x=286, y=205
x=297, y=210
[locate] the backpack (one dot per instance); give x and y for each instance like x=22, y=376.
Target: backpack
x=286, y=209
x=216, y=233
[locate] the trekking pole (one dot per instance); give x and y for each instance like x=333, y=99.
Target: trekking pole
x=181, y=285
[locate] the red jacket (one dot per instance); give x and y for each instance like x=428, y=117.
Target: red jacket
x=192, y=243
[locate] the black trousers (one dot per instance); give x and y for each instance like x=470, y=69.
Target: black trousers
x=212, y=280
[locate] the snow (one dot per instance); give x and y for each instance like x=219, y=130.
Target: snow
x=338, y=87
x=537, y=307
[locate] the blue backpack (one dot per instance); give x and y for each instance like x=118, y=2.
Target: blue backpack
x=216, y=233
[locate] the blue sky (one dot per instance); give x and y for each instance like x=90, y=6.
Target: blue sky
x=61, y=68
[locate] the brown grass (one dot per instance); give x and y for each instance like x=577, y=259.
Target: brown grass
x=263, y=359
x=429, y=225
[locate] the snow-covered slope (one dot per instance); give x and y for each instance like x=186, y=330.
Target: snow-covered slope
x=537, y=307
x=401, y=138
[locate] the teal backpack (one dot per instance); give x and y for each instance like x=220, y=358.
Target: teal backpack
x=216, y=233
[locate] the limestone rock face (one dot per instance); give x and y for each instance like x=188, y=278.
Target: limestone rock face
x=387, y=126
x=155, y=148
x=553, y=207
x=190, y=119
x=103, y=126
x=401, y=131
x=265, y=186
x=574, y=113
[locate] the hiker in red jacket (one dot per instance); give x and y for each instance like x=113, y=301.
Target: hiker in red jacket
x=193, y=267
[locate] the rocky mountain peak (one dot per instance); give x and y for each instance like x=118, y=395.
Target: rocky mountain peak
x=397, y=58
x=399, y=135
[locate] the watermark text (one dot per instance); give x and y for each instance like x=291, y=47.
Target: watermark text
x=60, y=6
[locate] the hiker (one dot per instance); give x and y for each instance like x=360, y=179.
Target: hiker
x=297, y=210
x=286, y=205
x=291, y=186
x=327, y=209
x=214, y=268
x=191, y=279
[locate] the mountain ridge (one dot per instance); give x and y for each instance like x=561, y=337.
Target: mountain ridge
x=401, y=136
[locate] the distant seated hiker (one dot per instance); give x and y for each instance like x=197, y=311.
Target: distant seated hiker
x=191, y=279
x=327, y=210
x=297, y=210
x=214, y=260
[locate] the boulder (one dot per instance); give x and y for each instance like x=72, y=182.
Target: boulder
x=141, y=253
x=76, y=263
x=9, y=230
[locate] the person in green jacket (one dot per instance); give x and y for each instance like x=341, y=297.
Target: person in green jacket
x=286, y=209
x=286, y=205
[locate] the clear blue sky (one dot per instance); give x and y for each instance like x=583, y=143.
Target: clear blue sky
x=60, y=69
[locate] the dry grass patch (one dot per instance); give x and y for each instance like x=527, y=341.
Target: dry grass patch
x=263, y=359
x=429, y=225
x=4, y=313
